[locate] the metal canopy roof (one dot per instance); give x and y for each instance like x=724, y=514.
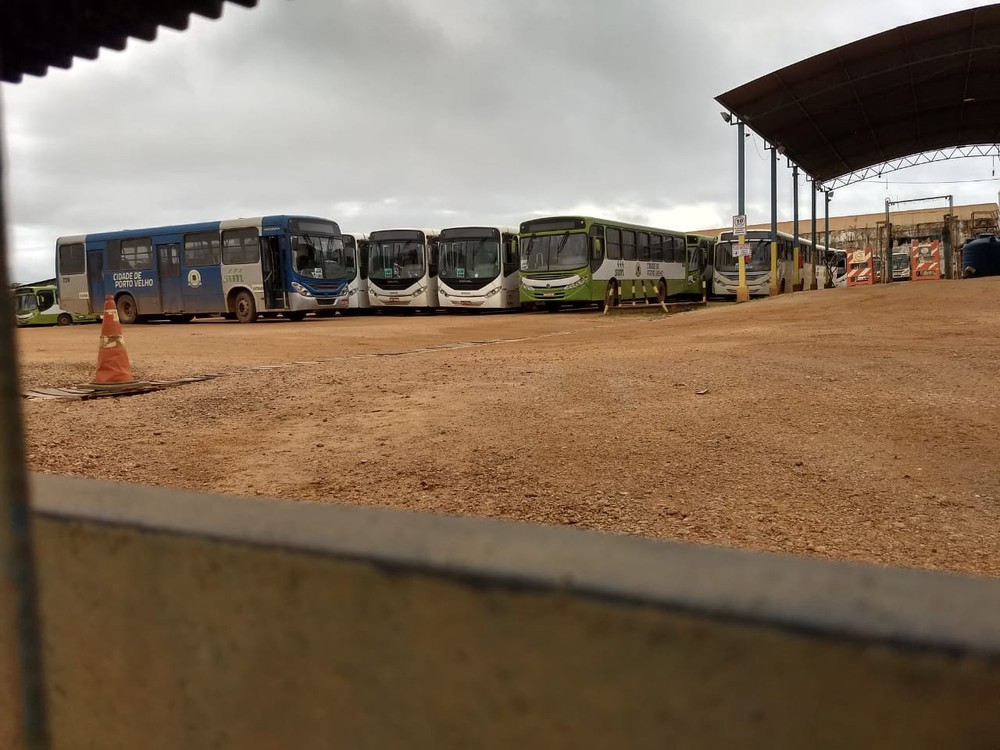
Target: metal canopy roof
x=917, y=88
x=37, y=34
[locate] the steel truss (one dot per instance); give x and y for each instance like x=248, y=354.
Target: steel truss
x=927, y=157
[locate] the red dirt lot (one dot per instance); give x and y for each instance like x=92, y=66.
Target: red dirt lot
x=855, y=423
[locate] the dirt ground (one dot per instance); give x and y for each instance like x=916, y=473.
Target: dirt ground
x=860, y=424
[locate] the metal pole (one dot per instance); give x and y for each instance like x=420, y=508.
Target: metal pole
x=796, y=274
x=775, y=289
x=813, y=251
x=741, y=131
x=887, y=255
x=826, y=231
x=742, y=291
x=19, y=629
x=949, y=247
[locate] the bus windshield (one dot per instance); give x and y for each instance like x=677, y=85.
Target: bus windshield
x=759, y=261
x=554, y=252
x=396, y=259
x=900, y=261
x=470, y=259
x=25, y=302
x=319, y=256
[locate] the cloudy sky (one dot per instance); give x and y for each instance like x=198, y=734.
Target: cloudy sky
x=386, y=113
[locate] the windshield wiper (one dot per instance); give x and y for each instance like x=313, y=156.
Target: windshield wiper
x=562, y=244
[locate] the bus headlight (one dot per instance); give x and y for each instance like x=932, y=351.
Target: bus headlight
x=443, y=291
x=523, y=284
x=301, y=289
x=493, y=292
x=579, y=282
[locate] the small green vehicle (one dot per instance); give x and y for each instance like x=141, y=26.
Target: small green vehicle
x=38, y=305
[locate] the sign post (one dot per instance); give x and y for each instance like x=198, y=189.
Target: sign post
x=740, y=231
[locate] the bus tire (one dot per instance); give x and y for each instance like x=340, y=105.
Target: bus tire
x=128, y=311
x=611, y=294
x=661, y=291
x=64, y=320
x=244, y=307
x=295, y=315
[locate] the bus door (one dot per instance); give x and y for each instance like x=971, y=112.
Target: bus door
x=274, y=281
x=95, y=280
x=168, y=259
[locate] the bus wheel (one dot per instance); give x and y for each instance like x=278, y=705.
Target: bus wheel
x=611, y=295
x=661, y=291
x=64, y=320
x=245, y=307
x=128, y=312
x=295, y=315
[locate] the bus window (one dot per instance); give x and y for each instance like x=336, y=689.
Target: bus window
x=240, y=247
x=628, y=244
x=201, y=249
x=130, y=255
x=643, y=242
x=656, y=248
x=510, y=255
x=71, y=259
x=363, y=255
x=678, y=249
x=46, y=299
x=614, y=244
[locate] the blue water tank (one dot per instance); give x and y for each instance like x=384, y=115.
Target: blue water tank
x=981, y=256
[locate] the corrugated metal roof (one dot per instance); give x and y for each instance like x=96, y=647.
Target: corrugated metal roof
x=921, y=87
x=38, y=34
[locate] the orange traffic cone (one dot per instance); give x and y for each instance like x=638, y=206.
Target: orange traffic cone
x=113, y=367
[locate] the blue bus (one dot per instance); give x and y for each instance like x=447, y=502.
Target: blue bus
x=239, y=268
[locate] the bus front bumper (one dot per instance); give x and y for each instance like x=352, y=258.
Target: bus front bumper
x=298, y=301
x=756, y=287
x=547, y=291
x=402, y=298
x=492, y=298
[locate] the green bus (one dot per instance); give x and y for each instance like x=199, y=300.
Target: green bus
x=38, y=305
x=580, y=260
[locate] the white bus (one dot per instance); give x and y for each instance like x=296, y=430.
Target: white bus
x=901, y=263
x=725, y=278
x=477, y=268
x=356, y=247
x=402, y=268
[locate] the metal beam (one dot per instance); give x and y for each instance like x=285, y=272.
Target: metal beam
x=914, y=160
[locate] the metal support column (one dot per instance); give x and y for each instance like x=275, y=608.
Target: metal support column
x=774, y=289
x=796, y=250
x=813, y=251
x=887, y=256
x=742, y=291
x=949, y=244
x=827, y=195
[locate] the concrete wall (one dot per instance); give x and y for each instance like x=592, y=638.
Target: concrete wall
x=177, y=620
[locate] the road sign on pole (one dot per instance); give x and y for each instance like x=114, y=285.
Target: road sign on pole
x=740, y=224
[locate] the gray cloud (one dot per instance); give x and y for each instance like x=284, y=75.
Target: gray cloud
x=383, y=113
